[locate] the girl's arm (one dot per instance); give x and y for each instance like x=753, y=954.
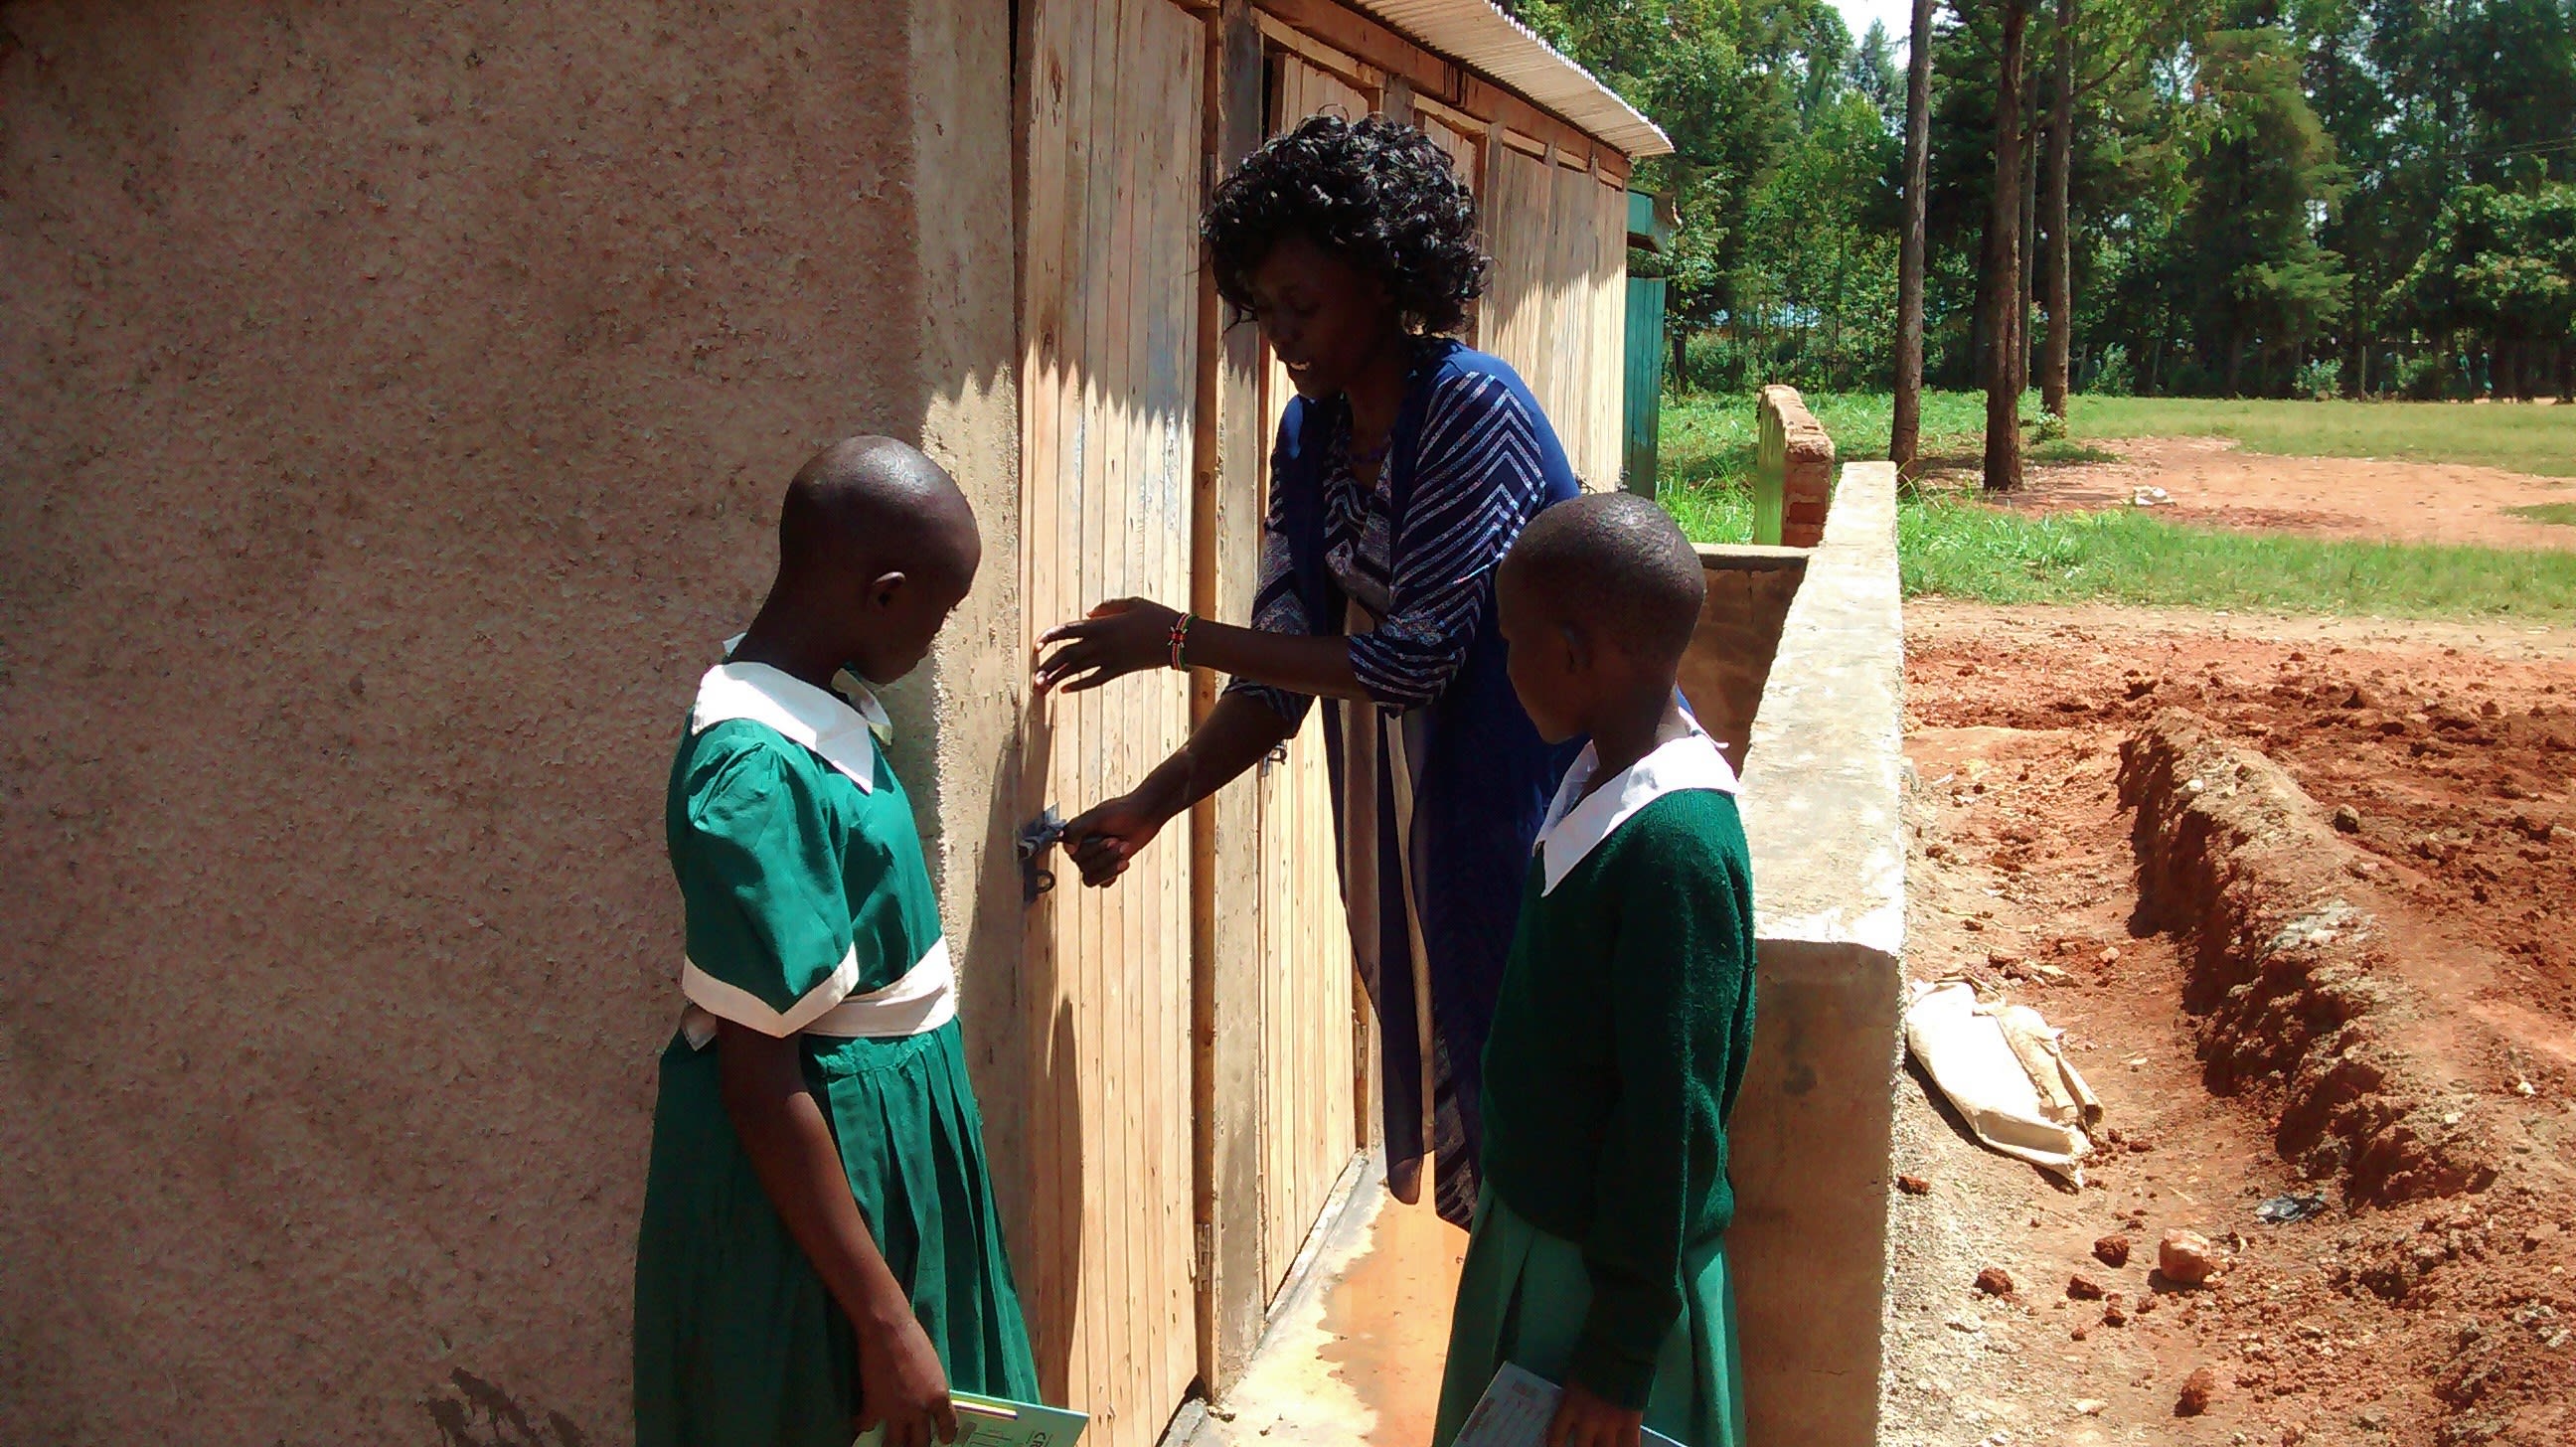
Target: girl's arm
x=782, y=1129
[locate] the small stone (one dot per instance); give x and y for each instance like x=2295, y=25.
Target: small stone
x=2348, y=819
x=2090, y=1406
x=2083, y=1288
x=1914, y=1185
x=2112, y=1315
x=2080, y=1333
x=1973, y=925
x=2112, y=1250
x=2110, y=954
x=2186, y=1257
x=2197, y=1389
x=1993, y=1282
x=1966, y=1322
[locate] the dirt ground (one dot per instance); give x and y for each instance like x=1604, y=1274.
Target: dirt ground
x=2448, y=751
x=2214, y=482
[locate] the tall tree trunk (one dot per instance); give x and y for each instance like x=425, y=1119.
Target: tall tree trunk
x=1906, y=433
x=2026, y=254
x=2061, y=241
x=2003, y=263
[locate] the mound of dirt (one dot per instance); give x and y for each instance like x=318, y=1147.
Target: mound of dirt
x=2351, y=1322
x=2285, y=971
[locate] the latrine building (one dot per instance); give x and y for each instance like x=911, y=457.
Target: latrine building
x=394, y=400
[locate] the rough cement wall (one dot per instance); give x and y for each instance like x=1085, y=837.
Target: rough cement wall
x=394, y=402
x=1749, y=590
x=1810, y=1135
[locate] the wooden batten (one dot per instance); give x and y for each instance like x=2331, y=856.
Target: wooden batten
x=1365, y=40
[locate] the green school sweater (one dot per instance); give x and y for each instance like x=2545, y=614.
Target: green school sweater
x=1617, y=1048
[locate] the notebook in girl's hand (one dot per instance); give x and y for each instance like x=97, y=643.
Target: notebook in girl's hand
x=1515, y=1411
x=992, y=1422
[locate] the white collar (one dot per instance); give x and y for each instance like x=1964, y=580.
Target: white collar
x=1573, y=830
x=841, y=732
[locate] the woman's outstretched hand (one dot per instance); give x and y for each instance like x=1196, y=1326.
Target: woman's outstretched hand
x=1101, y=839
x=1121, y=636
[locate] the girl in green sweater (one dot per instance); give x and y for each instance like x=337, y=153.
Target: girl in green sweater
x=1599, y=1259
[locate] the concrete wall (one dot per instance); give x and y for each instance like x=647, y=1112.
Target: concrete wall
x=1749, y=591
x=394, y=402
x=1810, y=1135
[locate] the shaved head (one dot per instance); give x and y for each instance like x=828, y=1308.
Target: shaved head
x=870, y=506
x=1614, y=567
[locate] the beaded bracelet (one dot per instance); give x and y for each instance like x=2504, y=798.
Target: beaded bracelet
x=1181, y=640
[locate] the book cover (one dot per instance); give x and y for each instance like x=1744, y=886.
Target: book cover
x=1515, y=1411
x=992, y=1422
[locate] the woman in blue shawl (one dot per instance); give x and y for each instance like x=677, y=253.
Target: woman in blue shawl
x=1402, y=472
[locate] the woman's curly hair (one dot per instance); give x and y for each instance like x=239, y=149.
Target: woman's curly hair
x=1381, y=195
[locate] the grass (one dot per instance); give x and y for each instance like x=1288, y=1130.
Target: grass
x=2548, y=512
x=1963, y=549
x=2536, y=440
x=1951, y=545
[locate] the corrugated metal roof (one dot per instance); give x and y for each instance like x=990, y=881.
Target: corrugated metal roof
x=1478, y=35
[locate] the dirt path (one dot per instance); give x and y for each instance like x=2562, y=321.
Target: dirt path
x=2213, y=481
x=2446, y=1321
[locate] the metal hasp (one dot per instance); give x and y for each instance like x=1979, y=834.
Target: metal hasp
x=1037, y=837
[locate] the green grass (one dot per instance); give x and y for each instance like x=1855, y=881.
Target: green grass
x=1964, y=549
x=2518, y=438
x=2548, y=512
x=1951, y=545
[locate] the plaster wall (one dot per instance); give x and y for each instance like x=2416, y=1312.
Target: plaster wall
x=394, y=401
x=1749, y=591
x=1809, y=1140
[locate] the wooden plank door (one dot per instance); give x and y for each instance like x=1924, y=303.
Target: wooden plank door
x=1109, y=376
x=1307, y=983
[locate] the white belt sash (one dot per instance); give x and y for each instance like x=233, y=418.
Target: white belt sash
x=922, y=1001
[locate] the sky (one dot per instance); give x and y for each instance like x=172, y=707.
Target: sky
x=1897, y=14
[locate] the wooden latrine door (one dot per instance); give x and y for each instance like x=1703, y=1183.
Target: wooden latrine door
x=1109, y=379
x=1556, y=303
x=1309, y=1083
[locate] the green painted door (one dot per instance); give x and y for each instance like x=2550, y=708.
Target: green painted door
x=1645, y=383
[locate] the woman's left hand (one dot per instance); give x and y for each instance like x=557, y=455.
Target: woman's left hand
x=1121, y=636
x=1585, y=1420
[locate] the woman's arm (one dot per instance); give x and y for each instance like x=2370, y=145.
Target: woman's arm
x=1238, y=732
x=1127, y=635
x=782, y=1129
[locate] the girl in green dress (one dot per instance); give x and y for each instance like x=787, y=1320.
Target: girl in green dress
x=1598, y=1258
x=820, y=1252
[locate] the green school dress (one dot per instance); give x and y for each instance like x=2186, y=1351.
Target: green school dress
x=809, y=911
x=1599, y=1252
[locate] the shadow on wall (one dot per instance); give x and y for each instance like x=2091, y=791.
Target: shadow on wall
x=476, y=1413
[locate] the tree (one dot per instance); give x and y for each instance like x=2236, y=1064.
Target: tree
x=2003, y=260
x=1907, y=424
x=2061, y=241
x=2501, y=275
x=2263, y=184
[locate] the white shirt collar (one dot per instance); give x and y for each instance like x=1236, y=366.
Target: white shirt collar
x=840, y=731
x=1573, y=830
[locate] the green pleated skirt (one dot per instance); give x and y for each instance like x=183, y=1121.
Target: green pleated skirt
x=737, y=1344
x=1522, y=1295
